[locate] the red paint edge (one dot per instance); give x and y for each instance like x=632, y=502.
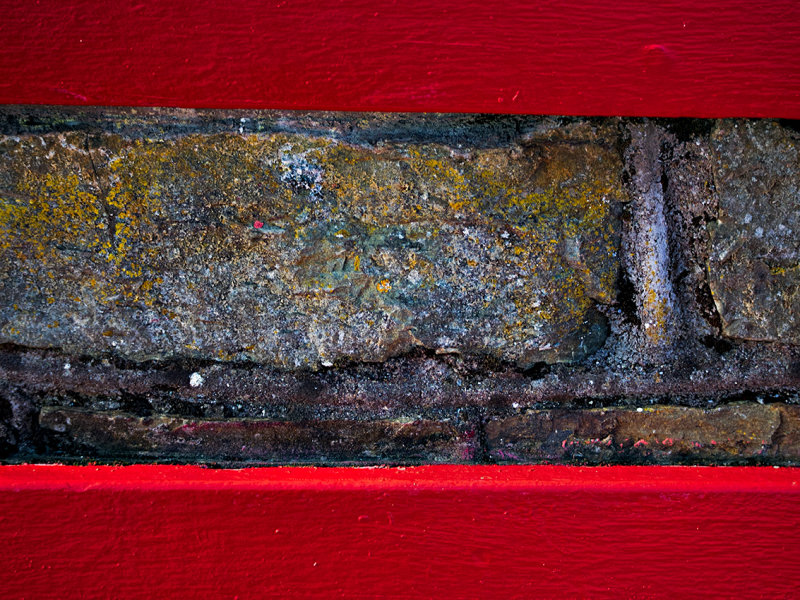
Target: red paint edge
x=434, y=531
x=429, y=477
x=682, y=58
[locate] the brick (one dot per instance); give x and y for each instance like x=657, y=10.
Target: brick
x=302, y=250
x=754, y=260
x=122, y=436
x=734, y=433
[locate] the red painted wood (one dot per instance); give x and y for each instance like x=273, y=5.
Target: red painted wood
x=714, y=58
x=429, y=532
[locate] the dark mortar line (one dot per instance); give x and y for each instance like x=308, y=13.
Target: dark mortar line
x=626, y=290
x=483, y=451
x=357, y=128
x=475, y=415
x=686, y=129
x=477, y=130
x=145, y=402
x=793, y=124
x=80, y=460
x=485, y=364
x=626, y=297
x=623, y=459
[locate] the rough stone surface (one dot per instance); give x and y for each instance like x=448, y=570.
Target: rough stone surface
x=301, y=250
x=262, y=288
x=754, y=260
x=734, y=433
x=647, y=249
x=122, y=436
x=786, y=439
x=7, y=444
x=690, y=204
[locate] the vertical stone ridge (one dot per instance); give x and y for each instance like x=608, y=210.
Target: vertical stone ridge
x=647, y=256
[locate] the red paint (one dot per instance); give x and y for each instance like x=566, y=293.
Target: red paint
x=446, y=532
x=456, y=532
x=583, y=57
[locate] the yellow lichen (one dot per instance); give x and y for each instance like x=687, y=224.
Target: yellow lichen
x=59, y=214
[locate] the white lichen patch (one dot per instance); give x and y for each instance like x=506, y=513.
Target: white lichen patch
x=196, y=380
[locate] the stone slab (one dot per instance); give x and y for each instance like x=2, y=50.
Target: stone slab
x=733, y=433
x=119, y=435
x=754, y=258
x=304, y=251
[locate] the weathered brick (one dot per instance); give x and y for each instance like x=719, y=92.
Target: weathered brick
x=754, y=261
x=118, y=435
x=301, y=251
x=662, y=434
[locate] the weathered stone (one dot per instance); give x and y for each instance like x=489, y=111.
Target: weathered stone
x=647, y=254
x=661, y=434
x=299, y=252
x=786, y=440
x=754, y=262
x=7, y=442
x=206, y=267
x=690, y=203
x=118, y=435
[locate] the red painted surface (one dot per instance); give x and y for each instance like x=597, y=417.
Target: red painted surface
x=429, y=532
x=454, y=532
x=713, y=58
